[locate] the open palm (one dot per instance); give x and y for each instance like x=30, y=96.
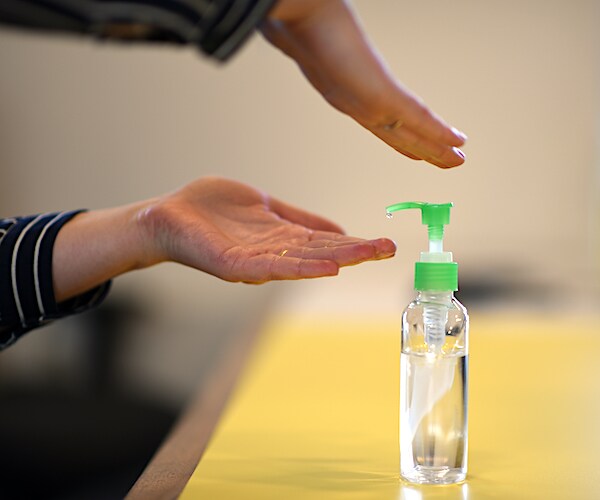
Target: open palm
x=238, y=233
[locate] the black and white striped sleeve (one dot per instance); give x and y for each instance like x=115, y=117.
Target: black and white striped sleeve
x=217, y=27
x=26, y=289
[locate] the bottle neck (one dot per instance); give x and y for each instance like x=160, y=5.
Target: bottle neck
x=439, y=297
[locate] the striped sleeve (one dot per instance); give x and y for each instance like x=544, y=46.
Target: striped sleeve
x=217, y=27
x=26, y=288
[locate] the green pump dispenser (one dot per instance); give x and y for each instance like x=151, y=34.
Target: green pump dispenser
x=435, y=271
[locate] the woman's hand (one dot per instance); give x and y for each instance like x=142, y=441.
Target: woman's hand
x=323, y=37
x=238, y=233
x=219, y=226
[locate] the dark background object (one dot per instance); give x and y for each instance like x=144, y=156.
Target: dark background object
x=85, y=437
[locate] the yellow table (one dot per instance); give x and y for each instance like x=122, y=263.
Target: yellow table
x=315, y=415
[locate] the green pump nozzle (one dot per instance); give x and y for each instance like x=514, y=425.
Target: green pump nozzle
x=435, y=271
x=434, y=215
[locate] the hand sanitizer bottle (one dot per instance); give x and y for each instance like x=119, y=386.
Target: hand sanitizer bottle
x=433, y=363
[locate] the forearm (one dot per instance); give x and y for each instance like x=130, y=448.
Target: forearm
x=330, y=37
x=97, y=246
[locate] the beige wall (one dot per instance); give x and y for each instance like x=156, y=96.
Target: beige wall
x=85, y=124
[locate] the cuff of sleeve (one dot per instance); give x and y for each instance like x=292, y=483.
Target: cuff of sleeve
x=28, y=300
x=233, y=27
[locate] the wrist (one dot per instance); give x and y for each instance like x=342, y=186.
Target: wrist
x=148, y=233
x=293, y=11
x=97, y=246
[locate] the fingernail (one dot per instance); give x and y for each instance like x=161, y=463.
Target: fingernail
x=460, y=134
x=459, y=153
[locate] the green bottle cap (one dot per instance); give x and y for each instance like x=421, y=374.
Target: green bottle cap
x=435, y=271
x=436, y=276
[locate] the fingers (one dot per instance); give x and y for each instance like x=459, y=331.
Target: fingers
x=346, y=253
x=323, y=258
x=269, y=267
x=415, y=146
x=419, y=134
x=302, y=217
x=411, y=113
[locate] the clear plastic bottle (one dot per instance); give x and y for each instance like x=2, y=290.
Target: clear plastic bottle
x=433, y=390
x=434, y=364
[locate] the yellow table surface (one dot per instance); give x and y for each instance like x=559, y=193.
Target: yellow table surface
x=315, y=415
